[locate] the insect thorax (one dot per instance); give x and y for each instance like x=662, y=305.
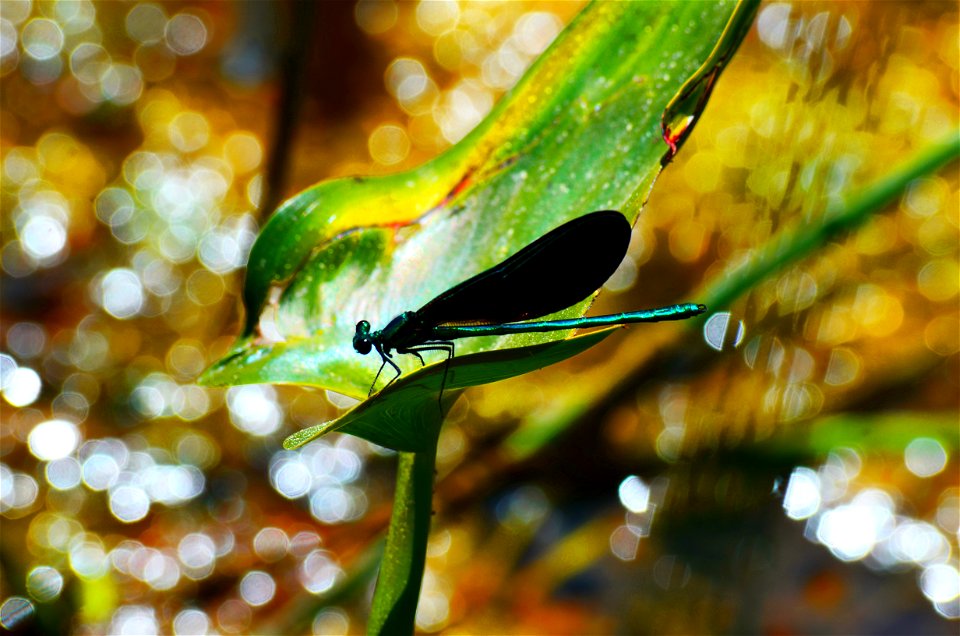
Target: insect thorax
x=405, y=330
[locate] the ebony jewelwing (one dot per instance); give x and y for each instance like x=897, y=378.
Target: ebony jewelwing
x=557, y=270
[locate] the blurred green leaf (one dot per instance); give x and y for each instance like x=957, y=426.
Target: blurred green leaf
x=887, y=432
x=846, y=215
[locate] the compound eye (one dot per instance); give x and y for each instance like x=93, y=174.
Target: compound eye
x=362, y=346
x=361, y=340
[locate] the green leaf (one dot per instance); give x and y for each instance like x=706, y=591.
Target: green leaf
x=580, y=132
x=405, y=416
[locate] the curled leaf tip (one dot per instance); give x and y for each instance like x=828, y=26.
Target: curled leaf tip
x=306, y=435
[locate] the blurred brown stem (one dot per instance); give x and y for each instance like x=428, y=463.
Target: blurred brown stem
x=293, y=61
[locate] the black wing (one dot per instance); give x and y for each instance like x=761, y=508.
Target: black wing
x=558, y=270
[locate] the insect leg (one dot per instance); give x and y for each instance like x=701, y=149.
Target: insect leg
x=439, y=345
x=413, y=352
x=377, y=377
x=432, y=346
x=386, y=360
x=442, y=345
x=395, y=368
x=446, y=368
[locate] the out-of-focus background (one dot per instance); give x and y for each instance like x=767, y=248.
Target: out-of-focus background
x=803, y=479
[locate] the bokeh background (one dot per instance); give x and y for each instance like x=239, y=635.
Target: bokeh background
x=801, y=477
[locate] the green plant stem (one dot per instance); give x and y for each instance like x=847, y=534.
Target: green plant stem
x=401, y=572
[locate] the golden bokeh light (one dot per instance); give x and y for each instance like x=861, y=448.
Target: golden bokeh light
x=141, y=142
